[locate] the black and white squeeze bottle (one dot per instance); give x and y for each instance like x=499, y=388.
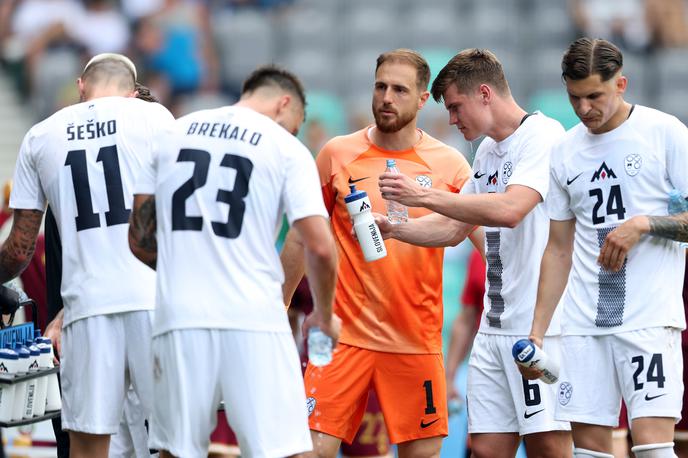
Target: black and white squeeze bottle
x=31, y=385
x=9, y=361
x=20, y=393
x=367, y=232
x=44, y=362
x=53, y=400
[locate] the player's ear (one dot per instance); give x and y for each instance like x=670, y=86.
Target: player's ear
x=485, y=93
x=621, y=84
x=423, y=98
x=82, y=89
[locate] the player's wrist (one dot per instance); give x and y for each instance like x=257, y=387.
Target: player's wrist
x=641, y=223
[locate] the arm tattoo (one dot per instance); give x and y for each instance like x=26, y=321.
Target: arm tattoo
x=673, y=227
x=142, y=230
x=17, y=251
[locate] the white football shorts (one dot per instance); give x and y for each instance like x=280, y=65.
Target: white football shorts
x=499, y=399
x=258, y=376
x=644, y=367
x=101, y=356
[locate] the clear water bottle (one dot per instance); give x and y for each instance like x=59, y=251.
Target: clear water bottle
x=677, y=204
x=396, y=213
x=319, y=347
x=14, y=286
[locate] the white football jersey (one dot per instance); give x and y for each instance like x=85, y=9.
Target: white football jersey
x=83, y=162
x=222, y=181
x=602, y=181
x=514, y=255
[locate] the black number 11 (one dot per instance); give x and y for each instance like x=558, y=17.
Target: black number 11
x=86, y=218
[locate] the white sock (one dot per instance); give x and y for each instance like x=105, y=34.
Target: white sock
x=665, y=450
x=585, y=453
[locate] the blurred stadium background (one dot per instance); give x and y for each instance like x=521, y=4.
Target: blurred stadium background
x=194, y=54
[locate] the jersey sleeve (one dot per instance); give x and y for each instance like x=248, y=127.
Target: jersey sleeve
x=302, y=197
x=532, y=169
x=161, y=128
x=463, y=174
x=27, y=191
x=558, y=201
x=677, y=155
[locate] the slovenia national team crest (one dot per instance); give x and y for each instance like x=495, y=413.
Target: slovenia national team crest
x=565, y=392
x=424, y=180
x=507, y=170
x=310, y=405
x=632, y=164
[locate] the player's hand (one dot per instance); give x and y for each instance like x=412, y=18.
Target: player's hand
x=400, y=188
x=531, y=373
x=386, y=228
x=619, y=242
x=53, y=331
x=331, y=327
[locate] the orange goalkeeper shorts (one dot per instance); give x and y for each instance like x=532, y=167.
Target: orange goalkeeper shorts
x=411, y=390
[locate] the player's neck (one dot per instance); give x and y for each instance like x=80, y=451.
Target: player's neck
x=507, y=116
x=618, y=118
x=109, y=91
x=401, y=140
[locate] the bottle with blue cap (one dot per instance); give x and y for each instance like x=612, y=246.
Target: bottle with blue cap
x=44, y=362
x=367, y=232
x=9, y=360
x=396, y=213
x=53, y=400
x=20, y=393
x=677, y=204
x=527, y=354
x=31, y=385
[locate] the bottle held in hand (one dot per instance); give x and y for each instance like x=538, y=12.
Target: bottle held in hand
x=396, y=213
x=527, y=354
x=367, y=232
x=319, y=347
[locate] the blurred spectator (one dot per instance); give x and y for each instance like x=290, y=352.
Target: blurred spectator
x=100, y=27
x=620, y=21
x=36, y=27
x=135, y=10
x=176, y=46
x=668, y=22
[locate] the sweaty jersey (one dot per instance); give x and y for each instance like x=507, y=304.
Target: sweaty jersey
x=602, y=181
x=83, y=161
x=222, y=180
x=393, y=304
x=513, y=255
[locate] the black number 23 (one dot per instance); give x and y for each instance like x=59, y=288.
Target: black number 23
x=234, y=198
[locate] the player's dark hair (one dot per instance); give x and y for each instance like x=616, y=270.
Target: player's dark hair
x=109, y=70
x=274, y=76
x=144, y=93
x=586, y=57
x=469, y=69
x=411, y=57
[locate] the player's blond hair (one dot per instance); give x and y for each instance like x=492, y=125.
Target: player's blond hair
x=411, y=57
x=469, y=69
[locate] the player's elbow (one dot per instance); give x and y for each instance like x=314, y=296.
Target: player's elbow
x=323, y=254
x=511, y=217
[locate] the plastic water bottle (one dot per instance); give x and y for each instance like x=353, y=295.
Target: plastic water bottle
x=319, y=347
x=20, y=393
x=367, y=232
x=455, y=406
x=32, y=385
x=9, y=359
x=53, y=399
x=396, y=213
x=527, y=354
x=677, y=204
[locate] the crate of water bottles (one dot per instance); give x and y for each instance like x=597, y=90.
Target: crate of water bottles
x=29, y=390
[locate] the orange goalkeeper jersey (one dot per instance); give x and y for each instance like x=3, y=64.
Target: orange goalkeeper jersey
x=393, y=304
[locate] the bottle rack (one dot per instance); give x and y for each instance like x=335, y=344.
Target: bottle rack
x=22, y=331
